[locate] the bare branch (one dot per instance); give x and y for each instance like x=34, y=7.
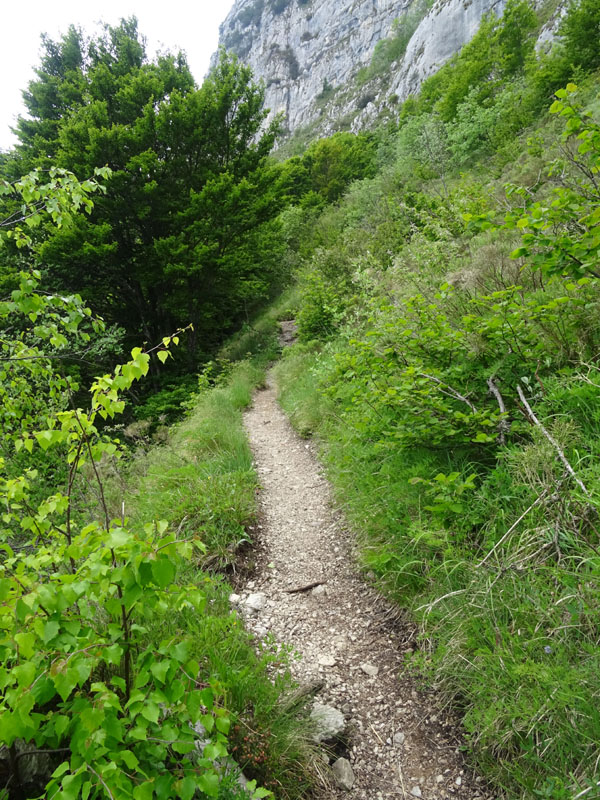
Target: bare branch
x=304, y=588
x=450, y=390
x=503, y=424
x=513, y=526
x=552, y=441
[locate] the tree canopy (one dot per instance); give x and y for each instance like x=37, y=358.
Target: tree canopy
x=184, y=232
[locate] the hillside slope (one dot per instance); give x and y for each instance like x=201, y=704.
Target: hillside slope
x=340, y=65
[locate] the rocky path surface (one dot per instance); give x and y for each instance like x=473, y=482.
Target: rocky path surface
x=392, y=740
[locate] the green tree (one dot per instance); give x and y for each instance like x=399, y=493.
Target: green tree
x=190, y=190
x=580, y=31
x=335, y=162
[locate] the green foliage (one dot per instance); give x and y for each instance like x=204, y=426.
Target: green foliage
x=115, y=711
x=186, y=232
x=333, y=163
x=580, y=28
x=426, y=353
x=122, y=666
x=561, y=235
x=74, y=614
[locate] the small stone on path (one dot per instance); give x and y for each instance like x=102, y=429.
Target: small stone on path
x=370, y=669
x=399, y=739
x=256, y=602
x=342, y=771
x=416, y=791
x=329, y=722
x=327, y=661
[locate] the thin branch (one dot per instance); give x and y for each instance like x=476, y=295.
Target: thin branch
x=36, y=752
x=504, y=424
x=552, y=441
x=452, y=391
x=93, y=771
x=305, y=588
x=585, y=791
x=429, y=606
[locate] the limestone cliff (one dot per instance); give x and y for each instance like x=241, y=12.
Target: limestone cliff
x=331, y=64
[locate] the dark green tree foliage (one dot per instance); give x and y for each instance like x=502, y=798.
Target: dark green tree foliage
x=333, y=163
x=185, y=232
x=58, y=89
x=580, y=29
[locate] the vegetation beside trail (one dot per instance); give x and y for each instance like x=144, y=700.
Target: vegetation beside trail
x=449, y=317
x=202, y=479
x=124, y=672
x=447, y=301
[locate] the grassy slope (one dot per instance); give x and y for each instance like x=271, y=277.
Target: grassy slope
x=510, y=623
x=201, y=479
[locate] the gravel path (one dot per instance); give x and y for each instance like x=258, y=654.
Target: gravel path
x=398, y=743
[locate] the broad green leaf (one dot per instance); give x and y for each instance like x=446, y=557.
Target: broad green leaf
x=150, y=711
x=163, y=572
x=186, y=788
x=160, y=669
x=144, y=791
x=26, y=642
x=129, y=759
x=209, y=784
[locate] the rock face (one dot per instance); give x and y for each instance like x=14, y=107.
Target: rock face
x=309, y=52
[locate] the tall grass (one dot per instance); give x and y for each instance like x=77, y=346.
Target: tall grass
x=201, y=478
x=513, y=642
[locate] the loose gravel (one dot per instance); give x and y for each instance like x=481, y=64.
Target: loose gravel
x=308, y=593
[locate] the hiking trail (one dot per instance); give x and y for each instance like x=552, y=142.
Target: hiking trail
x=309, y=594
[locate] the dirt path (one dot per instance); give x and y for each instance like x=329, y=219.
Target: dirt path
x=398, y=744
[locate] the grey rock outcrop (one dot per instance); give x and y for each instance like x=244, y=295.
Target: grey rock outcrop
x=308, y=52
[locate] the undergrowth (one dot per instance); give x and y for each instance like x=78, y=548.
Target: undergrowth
x=200, y=475
x=448, y=365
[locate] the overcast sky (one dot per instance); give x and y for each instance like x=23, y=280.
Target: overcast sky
x=190, y=25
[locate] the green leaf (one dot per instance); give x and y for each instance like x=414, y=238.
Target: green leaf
x=61, y=769
x=207, y=698
x=25, y=673
x=51, y=628
x=163, y=572
x=160, y=669
x=223, y=724
x=144, y=791
x=150, y=711
x=129, y=758
x=186, y=788
x=26, y=642
x=209, y=784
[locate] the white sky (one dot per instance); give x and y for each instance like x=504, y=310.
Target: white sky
x=189, y=25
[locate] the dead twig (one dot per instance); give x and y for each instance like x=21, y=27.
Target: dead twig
x=503, y=424
x=308, y=586
x=552, y=441
x=513, y=526
x=450, y=390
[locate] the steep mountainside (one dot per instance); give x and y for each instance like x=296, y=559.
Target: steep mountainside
x=321, y=61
